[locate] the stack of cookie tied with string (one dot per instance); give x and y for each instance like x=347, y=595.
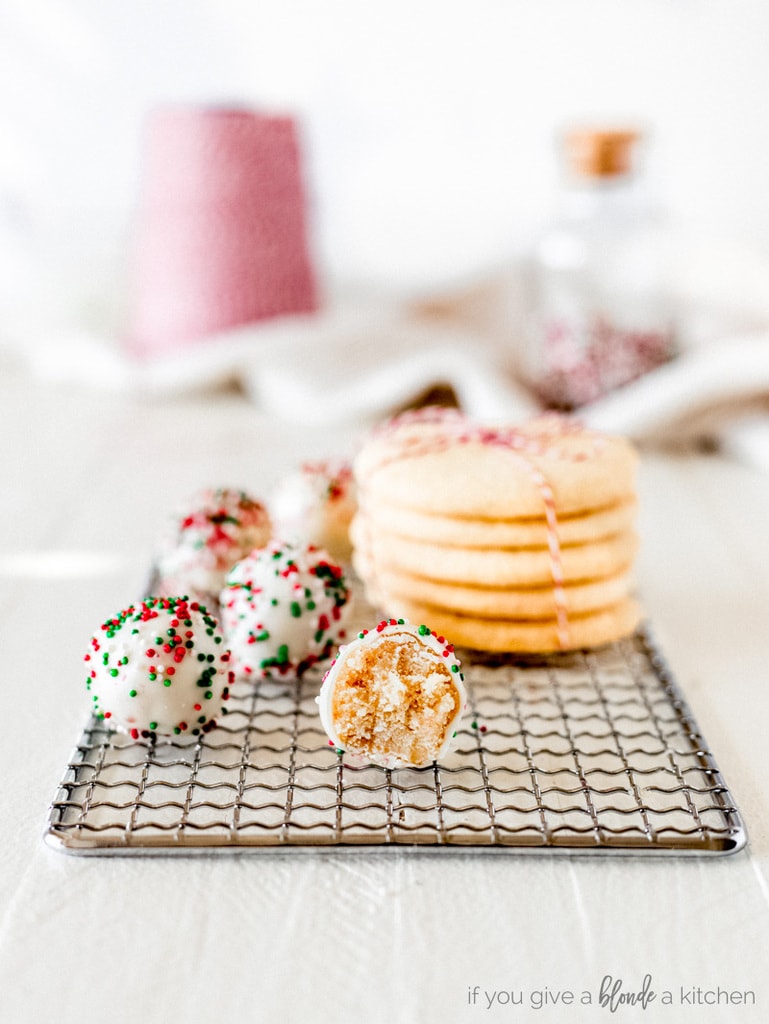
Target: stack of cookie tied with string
x=503, y=538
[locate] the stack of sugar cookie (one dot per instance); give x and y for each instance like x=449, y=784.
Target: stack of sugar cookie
x=515, y=539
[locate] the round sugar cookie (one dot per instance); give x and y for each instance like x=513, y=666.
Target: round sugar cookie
x=500, y=533
x=492, y=568
x=513, y=636
x=441, y=462
x=528, y=603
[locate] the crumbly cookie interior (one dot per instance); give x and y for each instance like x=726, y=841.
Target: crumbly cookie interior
x=395, y=698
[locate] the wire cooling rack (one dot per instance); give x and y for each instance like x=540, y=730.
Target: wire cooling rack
x=588, y=752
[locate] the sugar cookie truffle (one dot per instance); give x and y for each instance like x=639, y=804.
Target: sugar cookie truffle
x=315, y=505
x=160, y=667
x=283, y=609
x=393, y=696
x=217, y=528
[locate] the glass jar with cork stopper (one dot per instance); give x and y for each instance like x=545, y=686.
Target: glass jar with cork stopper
x=602, y=314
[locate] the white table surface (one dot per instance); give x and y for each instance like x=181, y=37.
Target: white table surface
x=86, y=480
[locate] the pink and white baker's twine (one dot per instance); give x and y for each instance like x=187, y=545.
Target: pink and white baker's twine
x=221, y=237
x=457, y=429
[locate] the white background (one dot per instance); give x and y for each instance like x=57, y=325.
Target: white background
x=429, y=127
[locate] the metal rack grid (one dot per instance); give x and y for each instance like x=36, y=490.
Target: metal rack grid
x=588, y=752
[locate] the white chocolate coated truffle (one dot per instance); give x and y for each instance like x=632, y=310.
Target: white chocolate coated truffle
x=160, y=667
x=218, y=527
x=394, y=696
x=283, y=609
x=315, y=505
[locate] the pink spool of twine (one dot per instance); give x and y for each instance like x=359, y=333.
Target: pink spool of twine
x=221, y=233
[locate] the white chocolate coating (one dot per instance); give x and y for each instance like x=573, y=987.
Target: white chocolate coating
x=283, y=609
x=159, y=668
x=218, y=527
x=315, y=505
x=401, y=631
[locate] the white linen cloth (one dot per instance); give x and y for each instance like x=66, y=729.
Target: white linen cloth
x=355, y=362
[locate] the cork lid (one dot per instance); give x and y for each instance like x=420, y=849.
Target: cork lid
x=600, y=153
